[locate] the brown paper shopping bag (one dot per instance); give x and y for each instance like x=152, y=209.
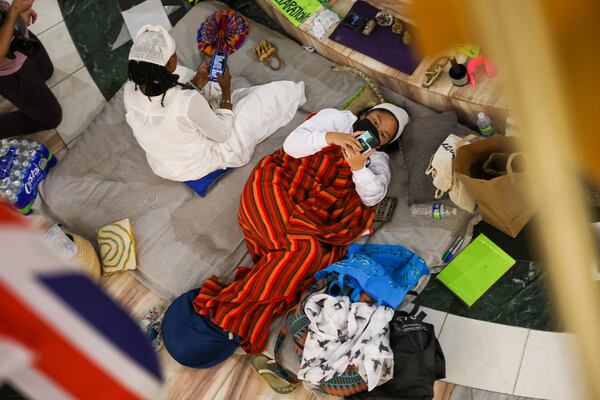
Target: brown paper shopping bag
x=501, y=200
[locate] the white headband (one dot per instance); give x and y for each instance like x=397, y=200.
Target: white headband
x=400, y=114
x=152, y=44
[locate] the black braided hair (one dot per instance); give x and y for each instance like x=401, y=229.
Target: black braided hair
x=388, y=148
x=155, y=78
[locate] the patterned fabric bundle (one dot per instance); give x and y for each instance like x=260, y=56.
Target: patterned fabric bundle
x=341, y=334
x=117, y=247
x=298, y=216
x=225, y=30
x=297, y=322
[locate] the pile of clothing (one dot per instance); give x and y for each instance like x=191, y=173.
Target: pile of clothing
x=349, y=337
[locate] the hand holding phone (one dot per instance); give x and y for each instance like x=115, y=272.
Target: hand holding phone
x=218, y=64
x=224, y=81
x=368, y=141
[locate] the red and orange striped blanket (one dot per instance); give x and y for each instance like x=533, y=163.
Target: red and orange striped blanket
x=297, y=216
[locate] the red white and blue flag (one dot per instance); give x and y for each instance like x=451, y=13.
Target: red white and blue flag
x=61, y=337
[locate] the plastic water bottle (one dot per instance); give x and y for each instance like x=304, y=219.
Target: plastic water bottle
x=60, y=242
x=436, y=211
x=484, y=123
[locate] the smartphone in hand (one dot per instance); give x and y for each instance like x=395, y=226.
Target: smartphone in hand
x=368, y=141
x=218, y=64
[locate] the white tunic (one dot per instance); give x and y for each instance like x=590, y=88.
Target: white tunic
x=309, y=138
x=186, y=140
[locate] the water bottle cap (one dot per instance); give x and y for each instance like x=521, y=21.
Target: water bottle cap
x=481, y=115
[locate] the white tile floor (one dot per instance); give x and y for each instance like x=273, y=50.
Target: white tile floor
x=71, y=83
x=436, y=318
x=549, y=368
x=48, y=15
x=481, y=354
x=81, y=102
x=62, y=52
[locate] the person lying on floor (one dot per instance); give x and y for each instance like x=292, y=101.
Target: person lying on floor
x=370, y=171
x=300, y=209
x=190, y=131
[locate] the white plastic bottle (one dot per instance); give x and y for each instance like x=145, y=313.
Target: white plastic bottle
x=484, y=123
x=60, y=242
x=436, y=211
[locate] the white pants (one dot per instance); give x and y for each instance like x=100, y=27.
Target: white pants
x=259, y=112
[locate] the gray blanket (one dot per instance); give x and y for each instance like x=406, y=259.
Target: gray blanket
x=183, y=239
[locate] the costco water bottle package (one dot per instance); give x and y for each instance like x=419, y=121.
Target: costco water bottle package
x=24, y=164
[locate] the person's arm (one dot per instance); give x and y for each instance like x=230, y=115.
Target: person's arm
x=327, y=127
x=225, y=84
x=6, y=32
x=216, y=125
x=371, y=182
x=17, y=8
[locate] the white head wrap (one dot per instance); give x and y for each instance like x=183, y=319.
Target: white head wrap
x=152, y=44
x=400, y=114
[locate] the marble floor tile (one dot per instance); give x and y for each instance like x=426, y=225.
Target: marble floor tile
x=81, y=101
x=62, y=51
x=482, y=354
x=519, y=298
x=549, y=369
x=104, y=58
x=436, y=318
x=147, y=12
x=48, y=15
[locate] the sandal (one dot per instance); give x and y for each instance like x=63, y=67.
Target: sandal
x=149, y=318
x=154, y=333
x=265, y=367
x=265, y=51
x=151, y=324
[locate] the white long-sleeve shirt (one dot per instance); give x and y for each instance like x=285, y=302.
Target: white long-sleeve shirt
x=371, y=181
x=191, y=136
x=180, y=138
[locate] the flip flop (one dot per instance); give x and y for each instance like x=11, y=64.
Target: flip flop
x=264, y=366
x=154, y=333
x=149, y=317
x=151, y=324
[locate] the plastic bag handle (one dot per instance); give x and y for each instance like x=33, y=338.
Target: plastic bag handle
x=509, y=167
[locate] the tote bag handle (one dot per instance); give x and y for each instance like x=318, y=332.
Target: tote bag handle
x=509, y=166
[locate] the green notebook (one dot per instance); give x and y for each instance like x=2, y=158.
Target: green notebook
x=476, y=269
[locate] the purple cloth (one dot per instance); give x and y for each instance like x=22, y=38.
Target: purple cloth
x=382, y=44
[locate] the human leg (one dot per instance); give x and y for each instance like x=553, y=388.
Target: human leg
x=259, y=112
x=38, y=109
x=42, y=61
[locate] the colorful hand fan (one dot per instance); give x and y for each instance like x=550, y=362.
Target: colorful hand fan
x=225, y=30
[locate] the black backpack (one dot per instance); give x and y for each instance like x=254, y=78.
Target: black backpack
x=418, y=360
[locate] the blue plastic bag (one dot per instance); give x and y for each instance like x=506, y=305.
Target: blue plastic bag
x=385, y=272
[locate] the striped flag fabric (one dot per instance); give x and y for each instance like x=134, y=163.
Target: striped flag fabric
x=61, y=336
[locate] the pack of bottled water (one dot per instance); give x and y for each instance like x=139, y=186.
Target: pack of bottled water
x=23, y=166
